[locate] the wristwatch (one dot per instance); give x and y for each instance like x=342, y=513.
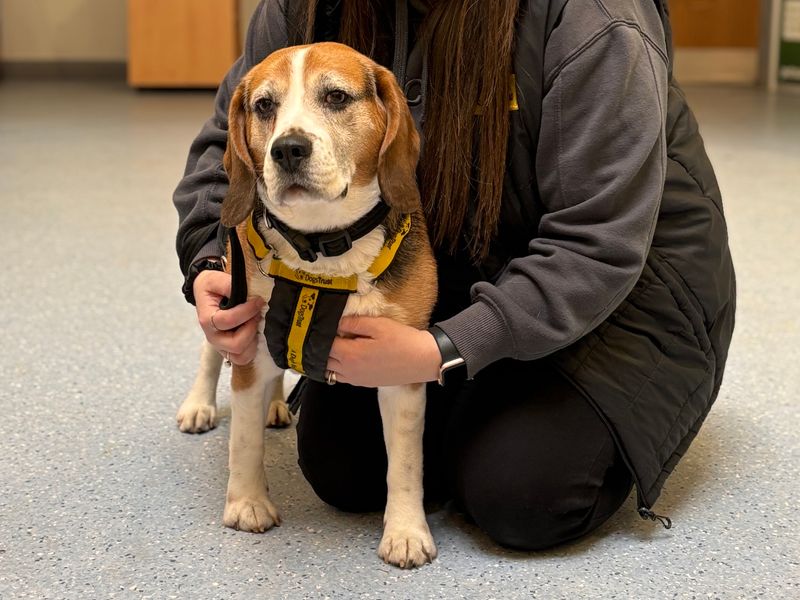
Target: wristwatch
x=204, y=264
x=452, y=362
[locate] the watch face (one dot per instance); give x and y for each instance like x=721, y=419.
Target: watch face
x=452, y=364
x=452, y=370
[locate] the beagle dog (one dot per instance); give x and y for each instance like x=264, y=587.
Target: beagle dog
x=321, y=157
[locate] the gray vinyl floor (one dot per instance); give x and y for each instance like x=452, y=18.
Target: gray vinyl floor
x=102, y=497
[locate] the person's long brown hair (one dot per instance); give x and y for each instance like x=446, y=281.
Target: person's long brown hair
x=469, y=68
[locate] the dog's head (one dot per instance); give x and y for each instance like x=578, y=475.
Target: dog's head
x=320, y=129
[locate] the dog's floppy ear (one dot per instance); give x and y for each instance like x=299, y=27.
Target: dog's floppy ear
x=239, y=201
x=399, y=154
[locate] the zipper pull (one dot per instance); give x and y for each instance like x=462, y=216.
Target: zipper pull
x=646, y=513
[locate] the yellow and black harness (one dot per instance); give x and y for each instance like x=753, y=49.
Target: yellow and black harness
x=305, y=308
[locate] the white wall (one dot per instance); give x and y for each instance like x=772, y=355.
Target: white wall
x=72, y=30
x=63, y=30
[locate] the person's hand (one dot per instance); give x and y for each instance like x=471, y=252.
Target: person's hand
x=377, y=351
x=233, y=332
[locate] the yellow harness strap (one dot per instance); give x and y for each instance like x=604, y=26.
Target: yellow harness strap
x=278, y=269
x=315, y=280
x=390, y=246
x=257, y=243
x=301, y=321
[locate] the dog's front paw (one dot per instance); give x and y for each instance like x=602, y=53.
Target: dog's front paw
x=407, y=547
x=278, y=414
x=251, y=514
x=196, y=418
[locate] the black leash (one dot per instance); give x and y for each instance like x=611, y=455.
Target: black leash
x=238, y=274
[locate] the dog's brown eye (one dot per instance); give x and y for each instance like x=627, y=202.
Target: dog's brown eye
x=336, y=97
x=264, y=106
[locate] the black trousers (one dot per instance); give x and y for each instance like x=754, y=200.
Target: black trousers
x=518, y=448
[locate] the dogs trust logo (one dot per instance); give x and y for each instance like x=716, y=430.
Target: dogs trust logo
x=306, y=307
x=313, y=278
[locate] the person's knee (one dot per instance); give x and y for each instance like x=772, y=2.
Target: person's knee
x=527, y=528
x=525, y=515
x=341, y=487
x=341, y=475
x=341, y=452
x=537, y=506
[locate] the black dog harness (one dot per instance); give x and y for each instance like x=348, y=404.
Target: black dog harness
x=305, y=308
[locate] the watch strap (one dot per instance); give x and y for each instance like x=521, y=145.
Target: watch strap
x=451, y=359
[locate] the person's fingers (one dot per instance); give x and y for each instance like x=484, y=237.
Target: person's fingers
x=340, y=347
x=245, y=336
x=357, y=326
x=237, y=341
x=231, y=318
x=341, y=378
x=212, y=282
x=334, y=365
x=241, y=346
x=344, y=358
x=337, y=367
x=246, y=357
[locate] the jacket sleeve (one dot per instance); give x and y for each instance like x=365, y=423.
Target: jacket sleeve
x=198, y=197
x=601, y=163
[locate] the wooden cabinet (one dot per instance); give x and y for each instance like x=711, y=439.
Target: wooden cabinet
x=715, y=23
x=181, y=43
x=716, y=41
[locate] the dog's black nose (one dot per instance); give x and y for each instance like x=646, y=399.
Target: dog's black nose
x=290, y=150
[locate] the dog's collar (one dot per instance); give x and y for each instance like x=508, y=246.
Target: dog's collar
x=346, y=284
x=329, y=243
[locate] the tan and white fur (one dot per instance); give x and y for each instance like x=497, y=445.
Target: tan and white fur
x=362, y=148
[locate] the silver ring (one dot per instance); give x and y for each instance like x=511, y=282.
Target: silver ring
x=228, y=359
x=214, y=325
x=330, y=377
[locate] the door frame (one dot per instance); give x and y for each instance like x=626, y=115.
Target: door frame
x=769, y=44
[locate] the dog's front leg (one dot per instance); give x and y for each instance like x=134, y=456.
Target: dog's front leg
x=198, y=412
x=247, y=503
x=407, y=541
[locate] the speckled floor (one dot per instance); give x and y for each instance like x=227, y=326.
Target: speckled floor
x=102, y=497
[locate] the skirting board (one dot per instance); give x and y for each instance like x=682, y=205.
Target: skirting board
x=716, y=65
x=35, y=70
